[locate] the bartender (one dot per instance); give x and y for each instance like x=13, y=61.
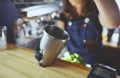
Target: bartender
x=8, y=14
x=83, y=20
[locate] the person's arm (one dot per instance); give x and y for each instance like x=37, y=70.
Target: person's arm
x=109, y=14
x=61, y=24
x=61, y=21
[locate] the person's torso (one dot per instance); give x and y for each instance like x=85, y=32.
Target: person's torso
x=84, y=30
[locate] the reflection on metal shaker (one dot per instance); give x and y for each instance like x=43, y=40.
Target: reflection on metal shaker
x=52, y=42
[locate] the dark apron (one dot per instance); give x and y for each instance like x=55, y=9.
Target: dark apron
x=79, y=33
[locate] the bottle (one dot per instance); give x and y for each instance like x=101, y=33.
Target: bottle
x=3, y=37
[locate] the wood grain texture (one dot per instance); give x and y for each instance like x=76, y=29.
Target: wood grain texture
x=19, y=62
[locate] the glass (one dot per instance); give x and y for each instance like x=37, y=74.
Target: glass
x=3, y=37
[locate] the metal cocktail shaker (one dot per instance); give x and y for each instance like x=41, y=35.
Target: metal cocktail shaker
x=51, y=44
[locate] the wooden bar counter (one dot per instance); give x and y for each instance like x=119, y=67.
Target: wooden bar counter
x=19, y=62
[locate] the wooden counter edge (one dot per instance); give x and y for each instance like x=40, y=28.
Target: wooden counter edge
x=11, y=46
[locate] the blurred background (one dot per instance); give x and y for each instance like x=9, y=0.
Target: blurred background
x=36, y=14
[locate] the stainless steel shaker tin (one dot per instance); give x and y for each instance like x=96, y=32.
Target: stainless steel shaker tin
x=51, y=44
